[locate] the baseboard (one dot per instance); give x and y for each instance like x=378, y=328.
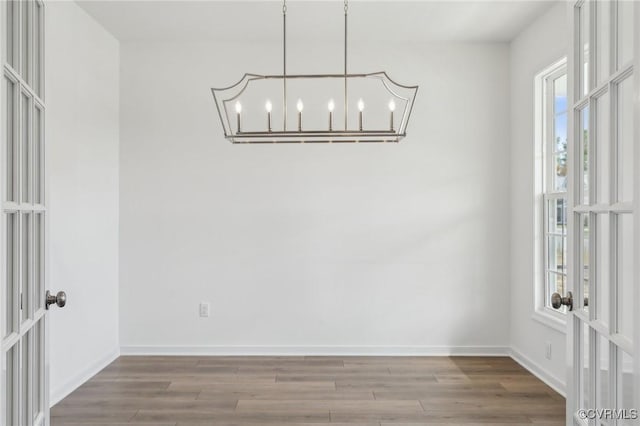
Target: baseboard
x=552, y=381
x=318, y=350
x=60, y=392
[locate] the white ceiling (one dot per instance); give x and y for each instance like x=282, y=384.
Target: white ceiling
x=463, y=21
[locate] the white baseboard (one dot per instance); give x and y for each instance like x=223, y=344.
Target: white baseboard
x=318, y=350
x=552, y=381
x=60, y=392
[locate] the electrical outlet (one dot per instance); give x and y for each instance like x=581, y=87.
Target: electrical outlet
x=547, y=353
x=204, y=309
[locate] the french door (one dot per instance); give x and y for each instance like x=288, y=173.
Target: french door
x=603, y=371
x=23, y=397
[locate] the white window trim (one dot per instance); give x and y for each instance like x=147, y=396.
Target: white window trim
x=541, y=313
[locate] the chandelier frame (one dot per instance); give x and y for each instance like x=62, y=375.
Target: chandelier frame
x=225, y=96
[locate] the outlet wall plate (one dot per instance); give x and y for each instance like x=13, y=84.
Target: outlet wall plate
x=204, y=309
x=547, y=353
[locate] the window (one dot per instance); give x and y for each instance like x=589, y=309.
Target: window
x=551, y=189
x=555, y=183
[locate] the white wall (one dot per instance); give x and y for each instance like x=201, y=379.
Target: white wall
x=314, y=248
x=540, y=45
x=82, y=96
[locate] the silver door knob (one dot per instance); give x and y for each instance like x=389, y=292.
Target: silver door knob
x=557, y=301
x=60, y=299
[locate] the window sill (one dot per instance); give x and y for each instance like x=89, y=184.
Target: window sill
x=550, y=319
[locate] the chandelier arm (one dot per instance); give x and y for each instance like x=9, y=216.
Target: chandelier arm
x=284, y=63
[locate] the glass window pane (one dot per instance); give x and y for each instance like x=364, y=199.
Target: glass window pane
x=585, y=154
x=625, y=385
x=560, y=175
x=602, y=270
x=602, y=379
x=25, y=149
x=555, y=284
x=584, y=47
x=560, y=94
x=625, y=32
x=624, y=274
x=556, y=216
x=555, y=253
x=602, y=146
x=560, y=127
x=625, y=140
x=560, y=148
x=11, y=284
x=11, y=385
x=603, y=35
x=585, y=257
x=10, y=149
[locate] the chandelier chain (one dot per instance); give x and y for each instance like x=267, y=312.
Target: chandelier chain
x=346, y=6
x=284, y=7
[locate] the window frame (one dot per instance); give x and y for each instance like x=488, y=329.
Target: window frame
x=545, y=192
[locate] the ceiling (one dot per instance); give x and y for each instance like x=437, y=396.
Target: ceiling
x=242, y=21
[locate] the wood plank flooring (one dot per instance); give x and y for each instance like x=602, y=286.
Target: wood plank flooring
x=312, y=391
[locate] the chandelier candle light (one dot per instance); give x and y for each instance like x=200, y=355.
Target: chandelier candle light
x=331, y=106
x=376, y=86
x=268, y=106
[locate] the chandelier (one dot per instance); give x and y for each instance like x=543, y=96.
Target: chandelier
x=383, y=118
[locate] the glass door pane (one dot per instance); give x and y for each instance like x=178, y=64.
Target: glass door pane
x=584, y=17
x=38, y=39
x=25, y=149
x=624, y=275
x=585, y=155
x=625, y=385
x=603, y=389
x=11, y=284
x=25, y=385
x=10, y=165
x=38, y=155
x=625, y=32
x=624, y=139
x=25, y=40
x=585, y=258
x=603, y=39
x=602, y=149
x=602, y=272
x=585, y=368
x=25, y=262
x=37, y=377
x=10, y=385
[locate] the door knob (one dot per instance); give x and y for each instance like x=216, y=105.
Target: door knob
x=60, y=299
x=557, y=301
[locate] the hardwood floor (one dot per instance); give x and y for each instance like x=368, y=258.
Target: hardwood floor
x=355, y=391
